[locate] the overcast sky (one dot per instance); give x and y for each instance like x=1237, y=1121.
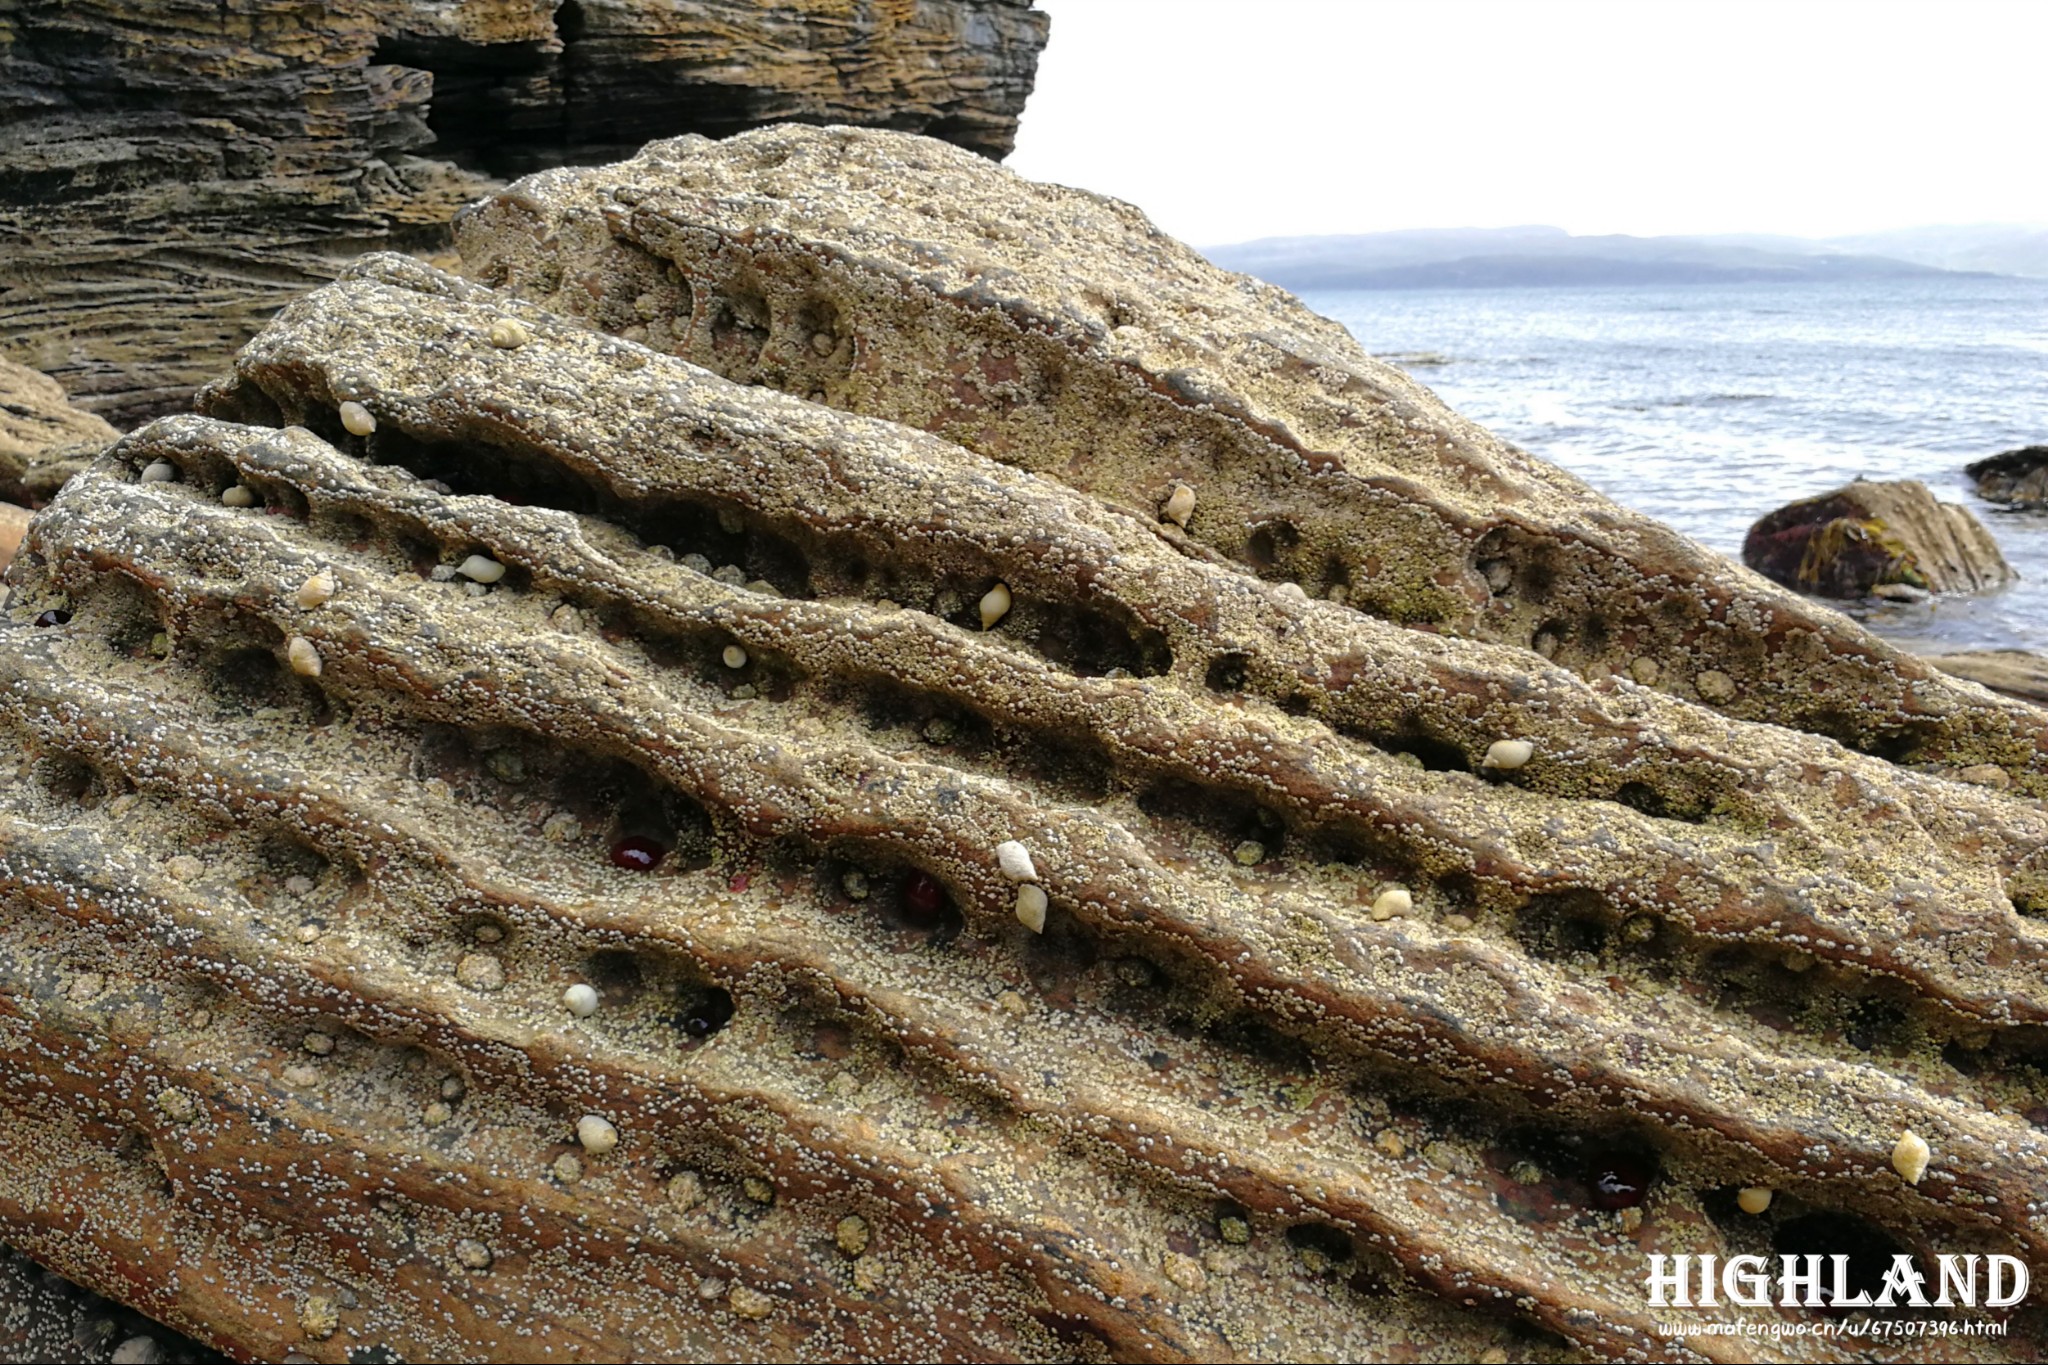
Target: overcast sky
x=1233, y=119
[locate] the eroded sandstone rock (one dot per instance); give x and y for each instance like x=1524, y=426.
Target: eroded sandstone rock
x=632, y=677
x=1060, y=333
x=43, y=438
x=171, y=173
x=2015, y=672
x=1870, y=535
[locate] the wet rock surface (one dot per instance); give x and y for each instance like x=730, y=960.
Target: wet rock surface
x=2019, y=477
x=1060, y=333
x=173, y=172
x=1382, y=991
x=1873, y=538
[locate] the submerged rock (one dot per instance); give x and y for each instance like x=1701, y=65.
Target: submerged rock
x=1061, y=333
x=1215, y=1109
x=2019, y=477
x=1873, y=538
x=171, y=173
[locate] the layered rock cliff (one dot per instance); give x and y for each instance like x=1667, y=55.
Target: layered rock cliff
x=173, y=172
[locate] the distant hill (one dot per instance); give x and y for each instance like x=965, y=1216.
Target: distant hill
x=1492, y=257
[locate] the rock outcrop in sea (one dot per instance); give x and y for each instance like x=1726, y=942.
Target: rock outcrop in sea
x=2019, y=477
x=1870, y=536
x=1020, y=813
x=171, y=173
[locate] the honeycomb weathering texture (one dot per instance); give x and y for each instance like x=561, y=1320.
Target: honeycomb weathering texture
x=343, y=711
x=1060, y=332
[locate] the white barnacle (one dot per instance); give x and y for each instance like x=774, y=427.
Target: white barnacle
x=1753, y=1199
x=509, y=334
x=734, y=657
x=1395, y=900
x=1015, y=860
x=159, y=471
x=304, y=658
x=1911, y=1155
x=596, y=1135
x=238, y=495
x=481, y=569
x=995, y=605
x=1179, y=505
x=315, y=591
x=1507, y=754
x=1031, y=907
x=580, y=1000
x=356, y=419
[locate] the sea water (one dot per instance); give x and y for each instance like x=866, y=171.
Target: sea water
x=1707, y=406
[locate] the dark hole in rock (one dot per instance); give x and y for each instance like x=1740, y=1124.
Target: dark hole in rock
x=710, y=1011
x=1226, y=673
x=1619, y=1178
x=1827, y=1235
x=1333, y=1244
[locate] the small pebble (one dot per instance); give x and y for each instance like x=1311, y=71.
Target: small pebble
x=1508, y=754
x=764, y=587
x=1395, y=900
x=1458, y=924
x=822, y=343
x=1031, y=907
x=317, y=1043
x=1753, y=1199
x=487, y=933
x=1910, y=1156
x=734, y=657
x=480, y=972
x=1293, y=592
x=1179, y=505
x=851, y=1234
x=316, y=591
x=596, y=1135
x=697, y=562
x=731, y=574
x=509, y=334
x=304, y=658
x=356, y=419
x=240, y=495
x=1250, y=853
x=580, y=1000
x=473, y=1254
x=758, y=1190
x=137, y=1351
x=995, y=605
x=436, y=1113
x=567, y=1168
x=855, y=885
x=1015, y=860
x=453, y=1088
x=481, y=569
x=159, y=471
